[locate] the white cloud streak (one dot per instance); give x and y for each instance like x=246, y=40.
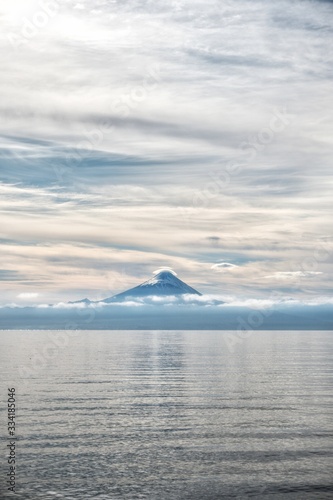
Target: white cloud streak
x=27, y=296
x=291, y=275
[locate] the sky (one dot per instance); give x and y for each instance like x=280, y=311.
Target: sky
x=189, y=134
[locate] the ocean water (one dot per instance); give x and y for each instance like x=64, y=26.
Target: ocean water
x=169, y=414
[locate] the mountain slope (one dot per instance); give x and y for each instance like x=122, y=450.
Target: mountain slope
x=164, y=283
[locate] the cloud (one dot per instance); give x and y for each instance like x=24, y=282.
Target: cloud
x=10, y=275
x=161, y=269
x=291, y=275
x=213, y=239
x=156, y=300
x=166, y=145
x=224, y=266
x=213, y=302
x=65, y=305
x=152, y=300
x=27, y=295
x=253, y=303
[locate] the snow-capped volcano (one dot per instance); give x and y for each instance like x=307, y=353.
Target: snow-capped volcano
x=164, y=283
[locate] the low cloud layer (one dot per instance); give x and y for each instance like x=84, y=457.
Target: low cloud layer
x=210, y=301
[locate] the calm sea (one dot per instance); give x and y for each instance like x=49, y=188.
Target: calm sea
x=169, y=415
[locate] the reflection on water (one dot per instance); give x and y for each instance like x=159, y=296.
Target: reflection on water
x=172, y=415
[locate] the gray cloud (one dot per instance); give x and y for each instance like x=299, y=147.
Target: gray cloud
x=224, y=266
x=9, y=275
